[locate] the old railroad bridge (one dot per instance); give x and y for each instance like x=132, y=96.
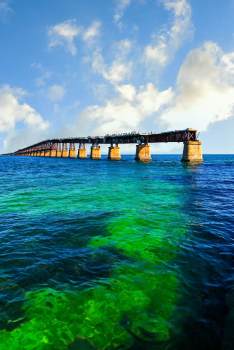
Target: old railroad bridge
x=76, y=147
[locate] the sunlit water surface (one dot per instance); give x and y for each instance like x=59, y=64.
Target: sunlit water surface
x=116, y=255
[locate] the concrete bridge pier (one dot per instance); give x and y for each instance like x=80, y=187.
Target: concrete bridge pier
x=65, y=152
x=53, y=151
x=59, y=150
x=143, y=153
x=72, y=151
x=47, y=153
x=192, y=152
x=41, y=153
x=82, y=153
x=95, y=152
x=114, y=152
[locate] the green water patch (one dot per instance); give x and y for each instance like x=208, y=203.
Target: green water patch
x=107, y=317
x=137, y=301
x=143, y=239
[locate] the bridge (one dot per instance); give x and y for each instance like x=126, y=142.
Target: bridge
x=76, y=147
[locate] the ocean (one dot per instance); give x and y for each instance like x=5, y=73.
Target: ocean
x=116, y=255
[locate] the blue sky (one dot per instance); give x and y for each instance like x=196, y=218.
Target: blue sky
x=92, y=67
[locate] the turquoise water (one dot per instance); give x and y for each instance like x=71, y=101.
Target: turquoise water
x=116, y=255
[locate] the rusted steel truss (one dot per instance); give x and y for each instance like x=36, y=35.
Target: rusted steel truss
x=128, y=138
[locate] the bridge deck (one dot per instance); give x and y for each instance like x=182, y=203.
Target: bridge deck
x=128, y=138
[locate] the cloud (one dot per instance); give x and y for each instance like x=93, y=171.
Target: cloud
x=120, y=68
x=13, y=111
x=92, y=32
x=118, y=71
x=121, y=6
x=204, y=92
x=56, y=93
x=164, y=45
x=156, y=54
x=125, y=112
x=127, y=91
x=20, y=123
x=64, y=34
x=13, y=140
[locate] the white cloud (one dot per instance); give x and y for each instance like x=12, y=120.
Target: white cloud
x=126, y=112
x=56, y=93
x=128, y=92
x=118, y=71
x=64, y=34
x=13, y=111
x=204, y=91
x=17, y=138
x=204, y=94
x=92, y=32
x=121, y=6
x=163, y=46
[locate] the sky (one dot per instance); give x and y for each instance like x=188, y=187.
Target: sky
x=92, y=67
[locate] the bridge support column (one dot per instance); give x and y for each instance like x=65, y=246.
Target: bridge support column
x=192, y=152
x=72, y=151
x=42, y=154
x=95, y=152
x=47, y=153
x=65, y=152
x=53, y=152
x=143, y=152
x=82, y=153
x=114, y=152
x=59, y=151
